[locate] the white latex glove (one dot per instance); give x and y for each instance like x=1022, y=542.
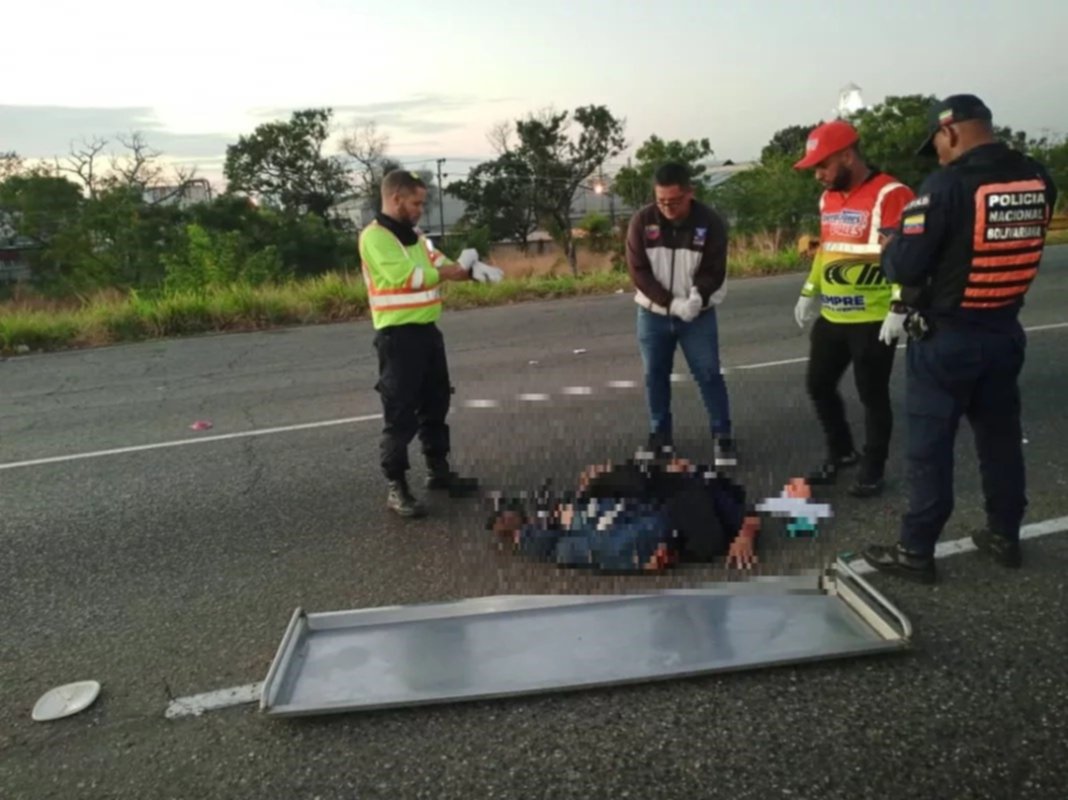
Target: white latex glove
x=695, y=296
x=467, y=258
x=686, y=308
x=484, y=273
x=805, y=310
x=893, y=328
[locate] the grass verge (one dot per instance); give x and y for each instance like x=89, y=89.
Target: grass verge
x=111, y=317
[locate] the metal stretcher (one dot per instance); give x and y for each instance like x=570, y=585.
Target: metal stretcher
x=509, y=645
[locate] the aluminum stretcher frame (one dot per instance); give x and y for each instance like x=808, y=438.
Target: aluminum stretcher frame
x=511, y=645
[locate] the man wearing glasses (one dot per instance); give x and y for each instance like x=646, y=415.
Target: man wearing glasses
x=677, y=259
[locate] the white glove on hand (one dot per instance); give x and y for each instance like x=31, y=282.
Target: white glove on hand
x=467, y=258
x=805, y=310
x=484, y=273
x=687, y=308
x=893, y=327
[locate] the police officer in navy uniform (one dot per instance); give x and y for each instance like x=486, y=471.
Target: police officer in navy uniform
x=965, y=253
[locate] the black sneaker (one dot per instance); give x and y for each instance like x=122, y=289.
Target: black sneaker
x=895, y=560
x=827, y=472
x=1004, y=551
x=660, y=444
x=725, y=453
x=869, y=481
x=441, y=478
x=401, y=501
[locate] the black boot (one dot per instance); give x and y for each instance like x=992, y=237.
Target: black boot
x=401, y=501
x=440, y=477
x=1004, y=551
x=895, y=560
x=725, y=452
x=869, y=481
x=661, y=444
x=827, y=472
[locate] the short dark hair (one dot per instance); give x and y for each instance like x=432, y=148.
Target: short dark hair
x=673, y=174
x=401, y=181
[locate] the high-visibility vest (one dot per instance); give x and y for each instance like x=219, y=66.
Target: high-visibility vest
x=403, y=284
x=846, y=274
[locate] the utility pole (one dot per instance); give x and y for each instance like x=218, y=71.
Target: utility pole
x=441, y=199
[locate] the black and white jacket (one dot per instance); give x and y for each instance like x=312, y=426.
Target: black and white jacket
x=666, y=259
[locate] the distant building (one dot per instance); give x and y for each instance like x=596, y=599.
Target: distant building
x=14, y=249
x=189, y=194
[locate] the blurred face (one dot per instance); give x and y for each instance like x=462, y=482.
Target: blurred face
x=946, y=142
x=835, y=172
x=506, y=524
x=408, y=206
x=674, y=201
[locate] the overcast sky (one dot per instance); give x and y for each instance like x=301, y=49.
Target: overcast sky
x=193, y=75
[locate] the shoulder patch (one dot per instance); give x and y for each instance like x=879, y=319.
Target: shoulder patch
x=913, y=224
x=922, y=201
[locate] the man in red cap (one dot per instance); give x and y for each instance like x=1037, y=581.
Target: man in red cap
x=860, y=317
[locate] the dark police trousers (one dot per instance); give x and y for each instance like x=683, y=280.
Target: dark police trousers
x=413, y=383
x=834, y=346
x=971, y=372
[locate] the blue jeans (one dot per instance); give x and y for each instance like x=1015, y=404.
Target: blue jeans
x=970, y=373
x=658, y=336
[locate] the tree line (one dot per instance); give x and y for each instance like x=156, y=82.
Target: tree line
x=93, y=220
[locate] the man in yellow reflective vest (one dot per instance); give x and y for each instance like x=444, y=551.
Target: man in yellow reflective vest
x=858, y=314
x=403, y=274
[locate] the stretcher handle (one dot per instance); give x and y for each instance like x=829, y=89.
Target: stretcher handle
x=906, y=627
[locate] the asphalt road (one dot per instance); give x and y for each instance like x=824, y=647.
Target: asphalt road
x=170, y=571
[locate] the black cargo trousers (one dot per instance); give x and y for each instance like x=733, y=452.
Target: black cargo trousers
x=413, y=384
x=834, y=346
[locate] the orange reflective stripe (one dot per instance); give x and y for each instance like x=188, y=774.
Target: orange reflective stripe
x=1021, y=259
x=400, y=306
x=989, y=304
x=1003, y=276
x=974, y=292
x=395, y=299
x=383, y=292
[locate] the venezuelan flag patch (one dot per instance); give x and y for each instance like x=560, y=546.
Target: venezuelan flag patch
x=913, y=224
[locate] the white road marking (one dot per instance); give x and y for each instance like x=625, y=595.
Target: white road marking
x=534, y=398
x=952, y=548
x=622, y=384
x=369, y=417
x=199, y=440
x=578, y=390
x=197, y=704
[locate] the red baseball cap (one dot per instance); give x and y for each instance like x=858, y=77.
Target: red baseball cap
x=827, y=139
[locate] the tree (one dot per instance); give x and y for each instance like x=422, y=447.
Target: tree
x=559, y=163
x=10, y=164
x=45, y=211
x=773, y=197
x=890, y=134
x=368, y=148
x=788, y=142
x=1054, y=156
x=284, y=163
x=634, y=183
x=498, y=196
x=83, y=164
